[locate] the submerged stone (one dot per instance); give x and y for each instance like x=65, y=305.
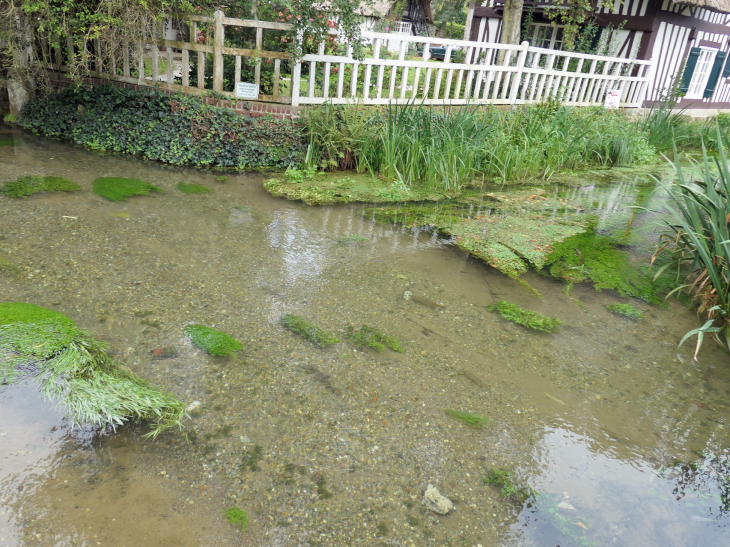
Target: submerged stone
x=436, y=502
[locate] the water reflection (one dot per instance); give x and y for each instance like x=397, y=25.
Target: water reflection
x=597, y=492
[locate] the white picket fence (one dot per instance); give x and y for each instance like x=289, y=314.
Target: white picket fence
x=397, y=69
x=487, y=73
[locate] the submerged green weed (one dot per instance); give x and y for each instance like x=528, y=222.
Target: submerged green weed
x=192, y=188
x=237, y=517
x=526, y=318
x=221, y=178
x=308, y=330
x=7, y=142
x=372, y=338
x=625, y=310
x=508, y=486
x=75, y=370
x=119, y=189
x=475, y=421
x=251, y=459
x=29, y=185
x=7, y=266
x=212, y=341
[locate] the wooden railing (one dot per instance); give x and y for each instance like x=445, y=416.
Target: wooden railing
x=397, y=68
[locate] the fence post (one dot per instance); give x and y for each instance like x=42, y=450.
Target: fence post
x=218, y=52
x=517, y=77
x=296, y=78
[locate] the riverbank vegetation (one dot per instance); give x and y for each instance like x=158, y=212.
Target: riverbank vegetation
x=74, y=370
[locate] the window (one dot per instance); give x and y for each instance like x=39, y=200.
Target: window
x=545, y=36
x=701, y=73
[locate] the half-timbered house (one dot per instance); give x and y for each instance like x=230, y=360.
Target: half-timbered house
x=687, y=41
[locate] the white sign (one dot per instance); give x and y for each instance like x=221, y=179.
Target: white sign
x=613, y=99
x=246, y=90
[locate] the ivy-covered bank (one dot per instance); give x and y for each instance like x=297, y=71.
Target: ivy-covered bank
x=175, y=129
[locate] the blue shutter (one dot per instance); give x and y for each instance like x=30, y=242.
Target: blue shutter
x=726, y=72
x=689, y=68
x=715, y=74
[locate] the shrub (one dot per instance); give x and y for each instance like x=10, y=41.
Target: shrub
x=29, y=185
x=119, y=189
x=212, y=341
x=175, y=129
x=529, y=319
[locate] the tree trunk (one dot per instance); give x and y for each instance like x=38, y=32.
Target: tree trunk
x=511, y=25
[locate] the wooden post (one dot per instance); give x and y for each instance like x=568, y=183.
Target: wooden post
x=517, y=78
x=218, y=52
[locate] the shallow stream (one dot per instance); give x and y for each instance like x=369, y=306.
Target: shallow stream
x=620, y=435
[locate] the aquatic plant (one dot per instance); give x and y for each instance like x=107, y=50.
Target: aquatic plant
x=475, y=421
x=7, y=266
x=251, y=458
x=625, y=310
x=372, y=338
x=192, y=188
x=308, y=330
x=29, y=185
x=221, y=178
x=526, y=318
x=322, y=491
x=7, y=142
x=507, y=485
x=119, y=189
x=697, y=233
x=237, y=517
x=75, y=370
x=212, y=341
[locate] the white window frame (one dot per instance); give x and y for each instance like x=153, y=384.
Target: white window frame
x=535, y=29
x=701, y=74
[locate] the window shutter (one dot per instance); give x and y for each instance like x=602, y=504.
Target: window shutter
x=715, y=74
x=689, y=68
x=726, y=72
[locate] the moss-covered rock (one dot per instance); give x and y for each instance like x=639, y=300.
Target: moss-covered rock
x=119, y=189
x=212, y=341
x=29, y=185
x=74, y=369
x=308, y=330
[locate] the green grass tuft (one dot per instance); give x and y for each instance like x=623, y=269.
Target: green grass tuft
x=625, y=310
x=309, y=330
x=192, y=188
x=474, y=421
x=212, y=341
x=29, y=185
x=237, y=517
x=74, y=369
x=372, y=338
x=119, y=189
x=529, y=319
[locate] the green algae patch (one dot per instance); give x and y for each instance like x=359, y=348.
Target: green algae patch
x=7, y=267
x=237, y=517
x=308, y=330
x=320, y=188
x=192, y=188
x=212, y=341
x=29, y=185
x=75, y=370
x=529, y=319
x=601, y=260
x=372, y=338
x=7, y=142
x=475, y=421
x=625, y=310
x=119, y=189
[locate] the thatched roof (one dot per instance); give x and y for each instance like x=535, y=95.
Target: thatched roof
x=723, y=6
x=380, y=9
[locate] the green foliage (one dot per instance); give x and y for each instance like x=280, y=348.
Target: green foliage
x=175, y=129
x=625, y=310
x=529, y=319
x=475, y=421
x=119, y=189
x=212, y=341
x=372, y=338
x=506, y=483
x=237, y=517
x=29, y=185
x=600, y=260
x=192, y=188
x=309, y=330
x=697, y=233
x=74, y=369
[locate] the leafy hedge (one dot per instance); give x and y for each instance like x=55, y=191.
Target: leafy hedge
x=175, y=129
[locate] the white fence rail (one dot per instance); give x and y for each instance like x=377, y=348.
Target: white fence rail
x=471, y=72
x=398, y=68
